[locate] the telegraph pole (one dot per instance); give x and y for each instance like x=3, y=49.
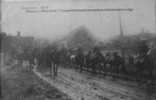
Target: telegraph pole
x=121, y=35
x=120, y=25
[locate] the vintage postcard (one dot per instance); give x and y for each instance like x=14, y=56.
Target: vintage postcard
x=78, y=50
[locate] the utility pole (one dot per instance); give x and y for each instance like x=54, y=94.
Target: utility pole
x=121, y=35
x=120, y=25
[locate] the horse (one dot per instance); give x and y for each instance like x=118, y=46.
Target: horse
x=145, y=67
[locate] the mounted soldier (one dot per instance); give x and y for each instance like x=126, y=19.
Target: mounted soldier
x=145, y=63
x=92, y=63
x=99, y=59
x=95, y=59
x=88, y=60
x=116, y=62
x=80, y=59
x=108, y=63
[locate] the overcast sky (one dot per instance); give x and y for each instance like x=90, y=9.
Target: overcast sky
x=54, y=25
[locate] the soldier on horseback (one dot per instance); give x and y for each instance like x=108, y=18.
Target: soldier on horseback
x=116, y=64
x=144, y=63
x=80, y=59
x=88, y=60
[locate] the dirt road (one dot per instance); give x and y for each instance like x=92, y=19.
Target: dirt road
x=82, y=86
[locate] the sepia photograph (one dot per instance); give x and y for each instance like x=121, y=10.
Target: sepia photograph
x=77, y=49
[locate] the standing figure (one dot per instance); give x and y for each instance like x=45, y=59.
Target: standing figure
x=116, y=64
x=55, y=63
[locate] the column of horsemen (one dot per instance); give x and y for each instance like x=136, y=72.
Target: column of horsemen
x=95, y=62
